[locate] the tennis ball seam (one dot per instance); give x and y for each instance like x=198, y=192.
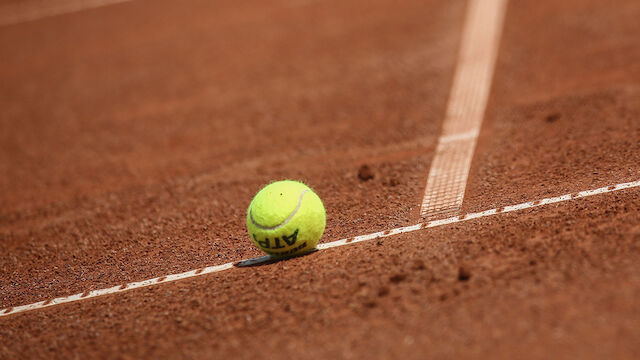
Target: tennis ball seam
x=285, y=222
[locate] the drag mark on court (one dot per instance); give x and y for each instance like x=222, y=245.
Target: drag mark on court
x=352, y=240
x=447, y=179
x=22, y=11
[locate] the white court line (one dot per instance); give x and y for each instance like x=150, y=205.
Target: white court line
x=264, y=259
x=29, y=10
x=447, y=179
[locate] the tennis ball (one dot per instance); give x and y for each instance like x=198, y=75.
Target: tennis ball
x=286, y=218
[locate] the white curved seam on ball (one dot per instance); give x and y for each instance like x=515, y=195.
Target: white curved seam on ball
x=286, y=221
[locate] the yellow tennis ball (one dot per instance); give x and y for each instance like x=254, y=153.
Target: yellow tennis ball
x=286, y=218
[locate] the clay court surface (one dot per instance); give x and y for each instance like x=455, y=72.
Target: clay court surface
x=133, y=136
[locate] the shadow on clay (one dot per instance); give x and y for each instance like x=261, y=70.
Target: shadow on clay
x=268, y=259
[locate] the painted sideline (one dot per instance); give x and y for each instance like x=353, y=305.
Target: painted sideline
x=23, y=11
x=447, y=179
x=266, y=259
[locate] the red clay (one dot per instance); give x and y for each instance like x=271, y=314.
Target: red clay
x=132, y=142
x=563, y=116
x=138, y=189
